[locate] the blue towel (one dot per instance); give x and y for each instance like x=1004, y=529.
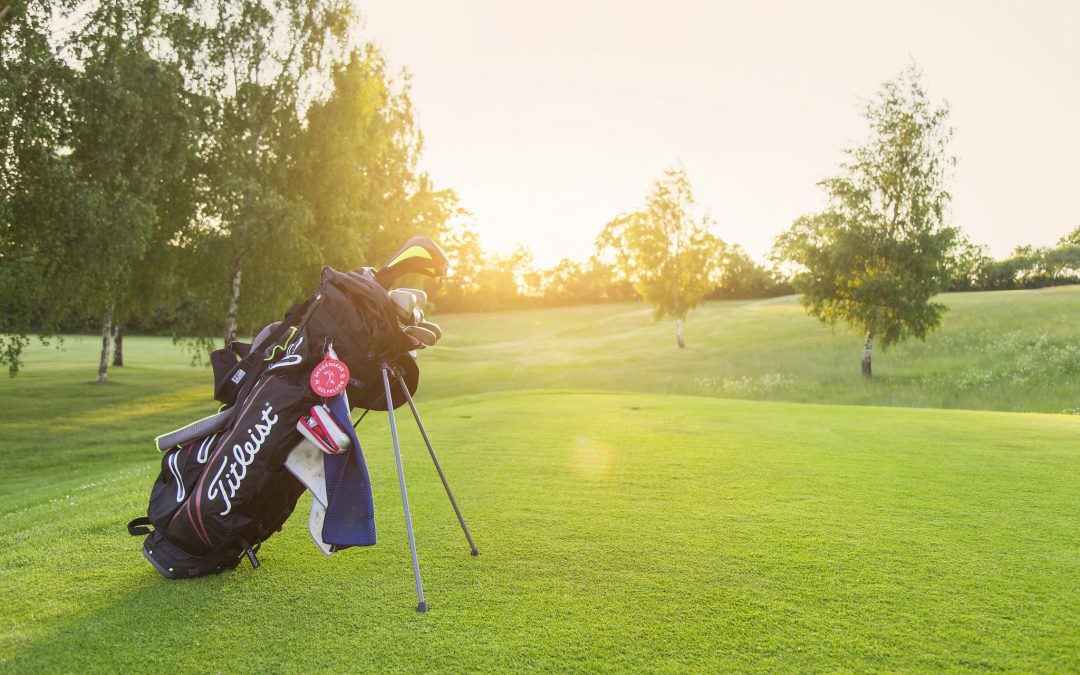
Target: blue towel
x=350, y=513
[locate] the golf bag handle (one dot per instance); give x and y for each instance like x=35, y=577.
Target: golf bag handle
x=247, y=370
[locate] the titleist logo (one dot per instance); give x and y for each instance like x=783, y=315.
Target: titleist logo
x=226, y=483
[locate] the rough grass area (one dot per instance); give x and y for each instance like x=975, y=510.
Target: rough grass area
x=618, y=531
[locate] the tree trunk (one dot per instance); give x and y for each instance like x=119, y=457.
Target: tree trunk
x=106, y=331
x=118, y=345
x=234, y=304
x=678, y=334
x=866, y=354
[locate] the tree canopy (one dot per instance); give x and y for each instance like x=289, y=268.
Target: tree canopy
x=194, y=161
x=665, y=249
x=880, y=252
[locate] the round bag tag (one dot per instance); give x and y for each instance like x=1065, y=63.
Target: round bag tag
x=329, y=377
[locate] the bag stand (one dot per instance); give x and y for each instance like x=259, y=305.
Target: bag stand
x=386, y=370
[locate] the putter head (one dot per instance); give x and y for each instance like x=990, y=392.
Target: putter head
x=418, y=255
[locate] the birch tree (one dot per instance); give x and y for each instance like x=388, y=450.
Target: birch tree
x=666, y=250
x=128, y=144
x=881, y=251
x=263, y=59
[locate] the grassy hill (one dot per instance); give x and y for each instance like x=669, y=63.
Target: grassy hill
x=634, y=530
x=1012, y=350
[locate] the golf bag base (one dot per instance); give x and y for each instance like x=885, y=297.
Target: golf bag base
x=173, y=563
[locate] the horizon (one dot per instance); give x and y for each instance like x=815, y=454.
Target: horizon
x=549, y=123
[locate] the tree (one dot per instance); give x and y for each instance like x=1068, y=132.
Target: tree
x=129, y=146
x=95, y=144
x=740, y=277
x=576, y=283
x=880, y=252
x=39, y=265
x=356, y=166
x=1071, y=239
x=263, y=60
x=666, y=249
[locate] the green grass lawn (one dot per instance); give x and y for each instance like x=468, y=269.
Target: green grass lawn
x=634, y=530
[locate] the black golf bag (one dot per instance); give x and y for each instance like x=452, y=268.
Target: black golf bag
x=223, y=487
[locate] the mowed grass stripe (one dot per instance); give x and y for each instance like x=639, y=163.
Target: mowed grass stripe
x=618, y=531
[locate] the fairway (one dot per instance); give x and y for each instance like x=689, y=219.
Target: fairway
x=619, y=531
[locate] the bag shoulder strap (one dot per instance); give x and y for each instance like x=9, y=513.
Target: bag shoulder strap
x=248, y=368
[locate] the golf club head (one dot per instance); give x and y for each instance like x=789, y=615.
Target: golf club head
x=433, y=327
x=418, y=255
x=404, y=304
x=419, y=295
x=423, y=335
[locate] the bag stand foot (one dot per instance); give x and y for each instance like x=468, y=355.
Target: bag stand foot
x=438, y=467
x=422, y=606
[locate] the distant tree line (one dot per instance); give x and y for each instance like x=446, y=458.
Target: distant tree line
x=483, y=281
x=1027, y=267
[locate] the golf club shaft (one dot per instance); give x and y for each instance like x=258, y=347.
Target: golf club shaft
x=438, y=467
x=422, y=607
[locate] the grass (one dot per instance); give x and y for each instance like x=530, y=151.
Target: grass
x=1010, y=350
x=633, y=530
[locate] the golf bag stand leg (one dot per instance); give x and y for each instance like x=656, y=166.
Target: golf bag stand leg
x=422, y=606
x=438, y=467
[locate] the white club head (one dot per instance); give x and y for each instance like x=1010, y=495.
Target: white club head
x=404, y=304
x=421, y=296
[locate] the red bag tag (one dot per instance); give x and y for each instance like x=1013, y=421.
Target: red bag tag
x=329, y=377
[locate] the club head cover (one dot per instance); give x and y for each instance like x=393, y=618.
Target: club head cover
x=423, y=335
x=306, y=463
x=323, y=431
x=418, y=255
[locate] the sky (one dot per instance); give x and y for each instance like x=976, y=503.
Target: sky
x=549, y=119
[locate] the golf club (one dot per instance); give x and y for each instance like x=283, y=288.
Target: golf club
x=418, y=255
x=433, y=327
x=423, y=335
x=404, y=304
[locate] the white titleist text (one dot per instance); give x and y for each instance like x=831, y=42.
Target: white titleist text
x=226, y=483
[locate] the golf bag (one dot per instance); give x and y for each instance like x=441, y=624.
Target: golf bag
x=223, y=488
